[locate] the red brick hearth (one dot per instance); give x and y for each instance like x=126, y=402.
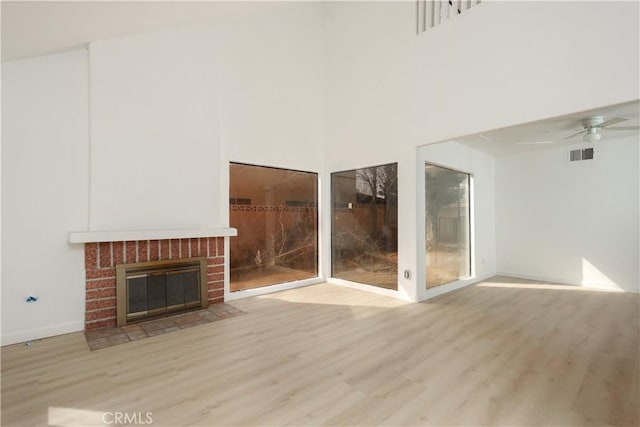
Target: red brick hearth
x=101, y=260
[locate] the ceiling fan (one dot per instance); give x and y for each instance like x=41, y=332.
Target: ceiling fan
x=593, y=128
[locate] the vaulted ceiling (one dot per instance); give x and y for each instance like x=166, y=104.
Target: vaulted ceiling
x=37, y=28
x=43, y=27
x=556, y=131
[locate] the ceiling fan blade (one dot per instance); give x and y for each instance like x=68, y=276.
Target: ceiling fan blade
x=575, y=134
x=612, y=121
x=625, y=128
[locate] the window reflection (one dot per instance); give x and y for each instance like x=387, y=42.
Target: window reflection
x=364, y=233
x=446, y=225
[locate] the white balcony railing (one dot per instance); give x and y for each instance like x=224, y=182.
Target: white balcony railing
x=431, y=13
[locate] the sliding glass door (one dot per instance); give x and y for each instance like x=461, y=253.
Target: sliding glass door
x=447, y=227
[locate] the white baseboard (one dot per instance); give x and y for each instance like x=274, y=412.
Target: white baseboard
x=230, y=296
x=48, y=331
x=453, y=286
x=585, y=284
x=370, y=288
x=536, y=277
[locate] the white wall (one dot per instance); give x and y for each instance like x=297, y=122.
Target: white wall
x=498, y=65
x=272, y=86
x=574, y=223
x=248, y=88
x=369, y=51
x=511, y=62
x=44, y=194
x=389, y=90
x=320, y=87
x=272, y=102
x=155, y=139
x=481, y=167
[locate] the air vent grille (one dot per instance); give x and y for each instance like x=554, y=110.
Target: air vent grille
x=581, y=154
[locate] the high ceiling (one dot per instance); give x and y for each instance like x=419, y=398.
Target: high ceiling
x=551, y=132
x=43, y=27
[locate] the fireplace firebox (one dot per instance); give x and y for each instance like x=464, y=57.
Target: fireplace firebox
x=153, y=289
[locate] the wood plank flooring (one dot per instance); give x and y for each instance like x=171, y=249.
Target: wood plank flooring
x=504, y=352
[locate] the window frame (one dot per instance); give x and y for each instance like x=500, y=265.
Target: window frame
x=266, y=289
x=351, y=283
x=469, y=177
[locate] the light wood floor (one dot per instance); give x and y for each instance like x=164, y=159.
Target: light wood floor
x=499, y=353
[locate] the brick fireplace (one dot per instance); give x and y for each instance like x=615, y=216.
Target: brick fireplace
x=101, y=259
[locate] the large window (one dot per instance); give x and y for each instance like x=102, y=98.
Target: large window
x=364, y=233
x=275, y=212
x=446, y=225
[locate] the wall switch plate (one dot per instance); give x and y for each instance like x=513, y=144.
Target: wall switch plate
x=407, y=274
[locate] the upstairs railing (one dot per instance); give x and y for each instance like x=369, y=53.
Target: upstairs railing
x=431, y=13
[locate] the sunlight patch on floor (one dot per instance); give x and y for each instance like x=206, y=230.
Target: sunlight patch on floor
x=354, y=298
x=538, y=286
x=72, y=417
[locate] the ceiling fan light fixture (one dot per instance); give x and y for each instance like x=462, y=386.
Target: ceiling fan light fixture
x=592, y=135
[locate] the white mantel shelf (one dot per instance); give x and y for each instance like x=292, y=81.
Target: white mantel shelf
x=123, y=236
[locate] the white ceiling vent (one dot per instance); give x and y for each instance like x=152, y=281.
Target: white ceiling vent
x=581, y=154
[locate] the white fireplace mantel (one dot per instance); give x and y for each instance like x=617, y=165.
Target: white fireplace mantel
x=130, y=235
